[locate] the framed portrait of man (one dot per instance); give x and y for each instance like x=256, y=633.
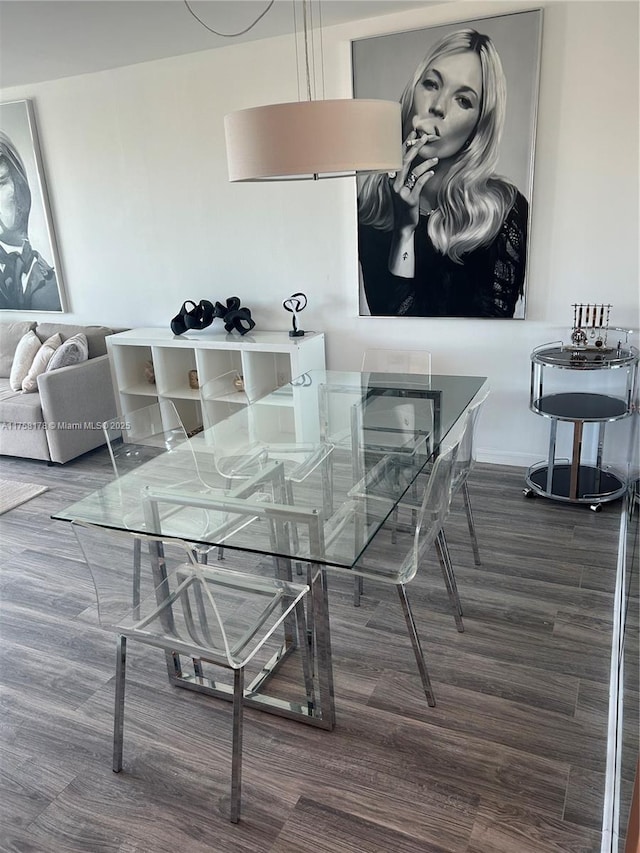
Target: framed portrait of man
x=448, y=234
x=30, y=278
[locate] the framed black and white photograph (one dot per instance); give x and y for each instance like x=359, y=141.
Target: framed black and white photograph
x=448, y=234
x=30, y=277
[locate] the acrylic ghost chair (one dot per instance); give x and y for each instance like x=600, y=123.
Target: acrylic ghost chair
x=300, y=460
x=397, y=361
x=137, y=437
x=142, y=435
x=205, y=612
x=376, y=564
x=255, y=447
x=465, y=464
x=417, y=362
x=407, y=361
x=403, y=413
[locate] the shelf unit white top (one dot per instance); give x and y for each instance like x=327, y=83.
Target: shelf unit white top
x=212, y=339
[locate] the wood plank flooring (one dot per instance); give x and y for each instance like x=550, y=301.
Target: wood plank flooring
x=511, y=760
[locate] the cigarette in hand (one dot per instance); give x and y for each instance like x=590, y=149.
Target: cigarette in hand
x=426, y=137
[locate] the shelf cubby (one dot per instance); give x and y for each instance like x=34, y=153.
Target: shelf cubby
x=264, y=360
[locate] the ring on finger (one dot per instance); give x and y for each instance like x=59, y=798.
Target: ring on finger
x=411, y=180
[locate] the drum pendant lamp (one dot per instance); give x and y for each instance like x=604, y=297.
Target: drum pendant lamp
x=313, y=138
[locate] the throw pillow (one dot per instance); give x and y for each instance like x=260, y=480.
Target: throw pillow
x=40, y=362
x=28, y=346
x=10, y=334
x=73, y=351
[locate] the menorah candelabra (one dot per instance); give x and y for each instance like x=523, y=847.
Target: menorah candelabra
x=590, y=326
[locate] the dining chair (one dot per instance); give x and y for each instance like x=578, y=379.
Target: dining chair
x=403, y=412
x=140, y=435
x=221, y=399
x=399, y=418
x=397, y=361
x=299, y=460
x=378, y=564
x=206, y=612
x=465, y=463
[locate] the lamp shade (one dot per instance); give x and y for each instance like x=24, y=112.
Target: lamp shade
x=311, y=139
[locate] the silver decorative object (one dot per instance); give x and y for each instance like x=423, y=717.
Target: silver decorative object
x=590, y=326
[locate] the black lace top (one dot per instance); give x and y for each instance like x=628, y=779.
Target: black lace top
x=486, y=284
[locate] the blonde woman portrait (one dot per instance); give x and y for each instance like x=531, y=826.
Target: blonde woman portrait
x=446, y=235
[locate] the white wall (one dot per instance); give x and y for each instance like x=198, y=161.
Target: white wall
x=146, y=218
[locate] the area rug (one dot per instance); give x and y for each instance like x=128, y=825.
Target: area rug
x=13, y=494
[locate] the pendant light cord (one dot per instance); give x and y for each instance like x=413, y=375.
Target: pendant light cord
x=229, y=35
x=311, y=71
x=321, y=48
x=307, y=68
x=295, y=38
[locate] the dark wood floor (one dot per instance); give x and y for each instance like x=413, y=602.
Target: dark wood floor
x=511, y=760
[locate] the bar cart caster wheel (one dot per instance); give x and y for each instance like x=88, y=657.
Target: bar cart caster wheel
x=529, y=493
x=596, y=507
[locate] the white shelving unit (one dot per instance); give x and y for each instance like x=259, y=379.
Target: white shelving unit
x=264, y=360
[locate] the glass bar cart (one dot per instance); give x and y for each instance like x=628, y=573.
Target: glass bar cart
x=571, y=480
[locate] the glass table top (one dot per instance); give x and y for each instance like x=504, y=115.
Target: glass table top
x=260, y=482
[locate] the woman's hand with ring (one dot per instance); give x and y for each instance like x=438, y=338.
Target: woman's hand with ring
x=409, y=182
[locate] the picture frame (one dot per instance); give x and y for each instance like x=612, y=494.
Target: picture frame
x=460, y=245
x=30, y=271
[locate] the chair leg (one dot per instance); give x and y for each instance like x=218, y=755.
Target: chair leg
x=358, y=590
x=449, y=566
x=118, y=714
x=236, y=749
x=394, y=527
x=417, y=647
x=326, y=473
x=227, y=485
x=471, y=524
x=137, y=559
x=449, y=579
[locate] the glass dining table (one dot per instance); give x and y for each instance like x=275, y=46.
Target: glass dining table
x=271, y=478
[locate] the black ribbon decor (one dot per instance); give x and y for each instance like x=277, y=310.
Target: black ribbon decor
x=199, y=316
x=234, y=316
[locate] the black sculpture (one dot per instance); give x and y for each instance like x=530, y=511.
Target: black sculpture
x=234, y=316
x=295, y=303
x=202, y=315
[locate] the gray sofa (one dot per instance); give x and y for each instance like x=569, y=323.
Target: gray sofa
x=63, y=419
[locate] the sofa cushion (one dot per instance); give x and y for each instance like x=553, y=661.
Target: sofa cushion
x=10, y=335
x=40, y=362
x=95, y=335
x=28, y=346
x=73, y=351
x=19, y=408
